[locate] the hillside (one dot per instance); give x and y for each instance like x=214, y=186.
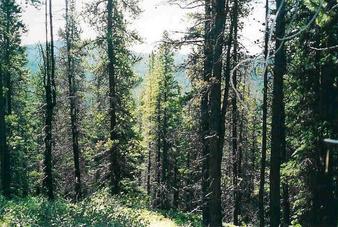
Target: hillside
x=100, y=209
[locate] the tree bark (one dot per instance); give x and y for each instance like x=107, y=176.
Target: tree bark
x=5, y=159
x=50, y=103
x=235, y=154
x=215, y=158
x=204, y=113
x=149, y=171
x=8, y=63
x=227, y=76
x=278, y=124
x=264, y=119
x=52, y=55
x=5, y=109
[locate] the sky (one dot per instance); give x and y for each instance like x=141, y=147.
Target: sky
x=157, y=17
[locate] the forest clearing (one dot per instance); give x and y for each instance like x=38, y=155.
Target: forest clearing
x=169, y=113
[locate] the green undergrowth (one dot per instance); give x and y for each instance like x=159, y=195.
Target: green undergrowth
x=100, y=209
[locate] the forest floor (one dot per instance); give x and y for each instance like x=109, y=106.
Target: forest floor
x=100, y=209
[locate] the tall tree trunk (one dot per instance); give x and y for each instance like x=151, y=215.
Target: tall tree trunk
x=189, y=180
x=158, y=189
x=5, y=159
x=215, y=158
x=149, y=171
x=176, y=184
x=235, y=154
x=314, y=214
x=204, y=113
x=50, y=103
x=227, y=77
x=72, y=98
x=325, y=198
x=235, y=160
x=264, y=119
x=114, y=154
x=240, y=162
x=278, y=124
x=286, y=205
x=8, y=63
x=52, y=55
x=253, y=149
x=165, y=163
x=5, y=109
x=165, y=147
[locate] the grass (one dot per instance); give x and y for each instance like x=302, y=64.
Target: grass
x=100, y=209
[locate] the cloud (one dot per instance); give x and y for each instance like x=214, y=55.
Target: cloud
x=157, y=17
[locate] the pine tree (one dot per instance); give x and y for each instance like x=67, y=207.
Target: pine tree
x=72, y=37
x=161, y=105
x=115, y=80
x=11, y=63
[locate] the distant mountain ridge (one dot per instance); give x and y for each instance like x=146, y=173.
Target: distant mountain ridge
x=141, y=67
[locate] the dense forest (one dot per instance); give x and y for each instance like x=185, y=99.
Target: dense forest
x=220, y=137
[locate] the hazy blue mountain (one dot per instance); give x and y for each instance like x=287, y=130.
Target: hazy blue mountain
x=141, y=67
x=34, y=56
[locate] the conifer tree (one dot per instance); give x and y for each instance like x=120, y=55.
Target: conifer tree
x=11, y=64
x=50, y=99
x=161, y=105
x=116, y=80
x=72, y=38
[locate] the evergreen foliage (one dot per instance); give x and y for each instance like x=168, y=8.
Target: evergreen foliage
x=247, y=140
